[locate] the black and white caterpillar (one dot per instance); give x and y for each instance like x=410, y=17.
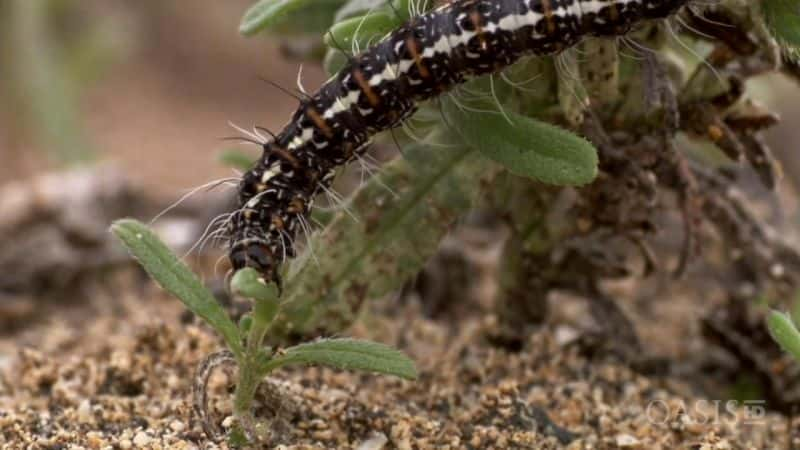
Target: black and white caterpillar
x=380, y=87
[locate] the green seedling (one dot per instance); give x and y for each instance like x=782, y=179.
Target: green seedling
x=246, y=342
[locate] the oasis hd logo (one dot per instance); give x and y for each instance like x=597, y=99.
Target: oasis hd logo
x=706, y=412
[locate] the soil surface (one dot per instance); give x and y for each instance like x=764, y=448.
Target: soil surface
x=117, y=372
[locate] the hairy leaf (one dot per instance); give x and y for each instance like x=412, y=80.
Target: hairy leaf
x=174, y=277
x=524, y=146
x=794, y=313
x=249, y=283
x=783, y=18
x=363, y=30
x=784, y=332
x=333, y=61
x=289, y=15
x=355, y=8
x=400, y=8
x=348, y=354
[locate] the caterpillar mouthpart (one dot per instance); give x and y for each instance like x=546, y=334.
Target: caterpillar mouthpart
x=254, y=252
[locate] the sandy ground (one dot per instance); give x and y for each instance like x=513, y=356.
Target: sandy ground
x=123, y=380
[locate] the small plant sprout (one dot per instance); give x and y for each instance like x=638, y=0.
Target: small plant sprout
x=246, y=342
x=783, y=328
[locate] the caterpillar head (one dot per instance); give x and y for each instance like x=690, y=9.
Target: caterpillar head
x=249, y=249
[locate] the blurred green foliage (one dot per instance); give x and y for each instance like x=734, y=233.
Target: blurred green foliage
x=52, y=50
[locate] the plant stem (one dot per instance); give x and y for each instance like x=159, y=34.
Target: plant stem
x=263, y=315
x=250, y=374
x=243, y=397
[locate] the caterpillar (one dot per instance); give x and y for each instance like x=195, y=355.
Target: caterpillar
x=380, y=87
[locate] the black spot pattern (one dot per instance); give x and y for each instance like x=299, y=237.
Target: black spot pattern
x=380, y=87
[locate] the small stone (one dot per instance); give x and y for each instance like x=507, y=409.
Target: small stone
x=565, y=335
x=376, y=442
x=141, y=439
x=323, y=435
x=85, y=412
x=228, y=422
x=177, y=426
x=627, y=441
x=95, y=440
x=173, y=381
x=125, y=444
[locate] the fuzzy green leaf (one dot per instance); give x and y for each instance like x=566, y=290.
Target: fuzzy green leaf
x=783, y=19
x=176, y=278
x=399, y=8
x=334, y=61
x=524, y=146
x=794, y=313
x=249, y=283
x=355, y=8
x=364, y=30
x=784, y=332
x=348, y=354
x=290, y=15
x=378, y=17
x=245, y=324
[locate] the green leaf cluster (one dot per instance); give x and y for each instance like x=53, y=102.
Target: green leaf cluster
x=783, y=19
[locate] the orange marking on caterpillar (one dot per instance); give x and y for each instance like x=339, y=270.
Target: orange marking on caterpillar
x=547, y=10
x=319, y=121
x=613, y=11
x=372, y=97
x=477, y=22
x=411, y=43
x=285, y=154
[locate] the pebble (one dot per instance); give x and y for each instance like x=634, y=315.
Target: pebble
x=85, y=412
x=177, y=426
x=376, y=442
x=141, y=439
x=627, y=441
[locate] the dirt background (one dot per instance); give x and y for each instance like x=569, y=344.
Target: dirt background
x=111, y=365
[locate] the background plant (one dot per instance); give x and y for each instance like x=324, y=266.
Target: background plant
x=46, y=70
x=483, y=146
x=783, y=328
